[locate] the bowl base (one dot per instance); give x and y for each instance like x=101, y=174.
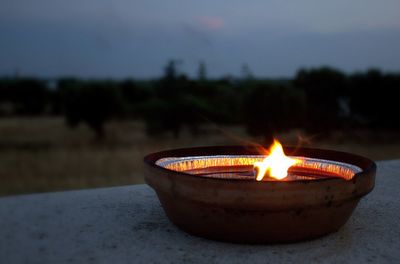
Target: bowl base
x=256, y=226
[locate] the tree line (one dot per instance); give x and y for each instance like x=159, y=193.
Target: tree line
x=317, y=100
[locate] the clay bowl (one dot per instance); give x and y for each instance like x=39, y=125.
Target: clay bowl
x=234, y=207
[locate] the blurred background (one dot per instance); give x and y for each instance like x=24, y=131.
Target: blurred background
x=87, y=88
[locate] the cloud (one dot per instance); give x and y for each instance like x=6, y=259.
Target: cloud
x=212, y=23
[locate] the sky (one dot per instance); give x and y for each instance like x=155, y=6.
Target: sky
x=136, y=38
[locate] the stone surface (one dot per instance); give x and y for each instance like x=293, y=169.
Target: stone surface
x=128, y=225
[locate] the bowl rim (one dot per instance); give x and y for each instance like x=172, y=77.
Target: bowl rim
x=365, y=164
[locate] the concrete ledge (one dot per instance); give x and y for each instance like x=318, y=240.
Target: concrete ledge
x=127, y=225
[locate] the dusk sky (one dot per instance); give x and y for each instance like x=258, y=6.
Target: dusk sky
x=135, y=38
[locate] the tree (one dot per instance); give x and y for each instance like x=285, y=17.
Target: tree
x=246, y=72
x=202, y=73
x=91, y=102
x=134, y=96
x=374, y=99
x=323, y=88
x=26, y=96
x=171, y=71
x=271, y=108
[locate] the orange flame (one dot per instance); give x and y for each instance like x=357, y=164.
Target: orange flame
x=276, y=164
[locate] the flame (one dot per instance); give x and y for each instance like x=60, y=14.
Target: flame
x=276, y=164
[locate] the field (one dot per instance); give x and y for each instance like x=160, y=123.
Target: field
x=42, y=154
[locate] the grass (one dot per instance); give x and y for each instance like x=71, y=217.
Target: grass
x=42, y=154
